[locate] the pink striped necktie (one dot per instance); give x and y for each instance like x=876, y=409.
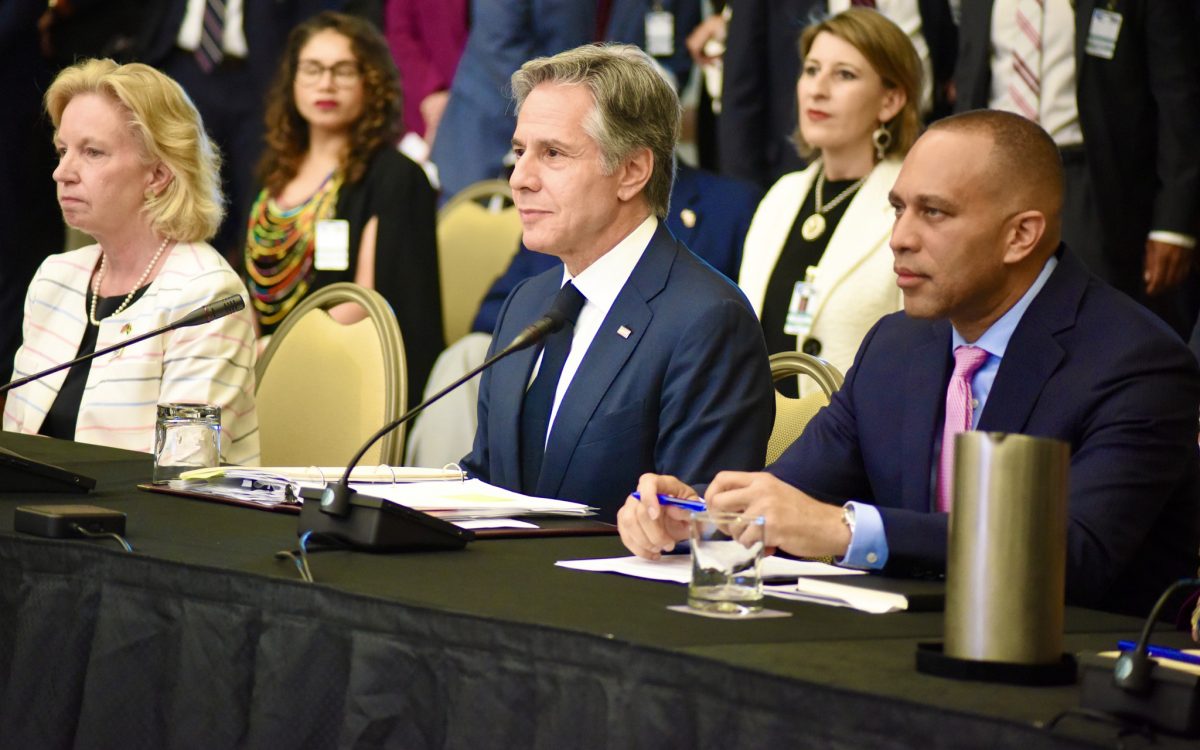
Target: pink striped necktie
x=1025, y=90
x=211, y=51
x=959, y=412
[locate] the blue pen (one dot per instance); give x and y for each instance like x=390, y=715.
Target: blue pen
x=678, y=502
x=1161, y=652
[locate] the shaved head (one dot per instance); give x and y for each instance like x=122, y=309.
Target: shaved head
x=1024, y=167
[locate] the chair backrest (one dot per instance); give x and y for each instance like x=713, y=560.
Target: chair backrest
x=793, y=414
x=478, y=232
x=325, y=387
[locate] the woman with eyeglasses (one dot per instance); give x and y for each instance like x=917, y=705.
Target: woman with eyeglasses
x=339, y=203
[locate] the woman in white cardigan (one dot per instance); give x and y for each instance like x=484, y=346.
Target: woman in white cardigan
x=817, y=266
x=136, y=172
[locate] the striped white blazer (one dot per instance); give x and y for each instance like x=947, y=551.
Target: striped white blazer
x=211, y=363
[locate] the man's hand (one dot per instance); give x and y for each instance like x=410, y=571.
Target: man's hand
x=796, y=523
x=649, y=529
x=711, y=28
x=1166, y=266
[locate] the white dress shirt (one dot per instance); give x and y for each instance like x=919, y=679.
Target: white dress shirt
x=1058, y=110
x=234, y=41
x=600, y=283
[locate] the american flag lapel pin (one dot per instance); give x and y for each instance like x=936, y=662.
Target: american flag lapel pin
x=623, y=332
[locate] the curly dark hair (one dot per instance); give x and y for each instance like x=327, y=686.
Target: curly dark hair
x=377, y=127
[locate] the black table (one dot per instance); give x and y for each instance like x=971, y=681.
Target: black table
x=202, y=638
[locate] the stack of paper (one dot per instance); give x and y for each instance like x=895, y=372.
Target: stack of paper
x=325, y=474
x=472, y=499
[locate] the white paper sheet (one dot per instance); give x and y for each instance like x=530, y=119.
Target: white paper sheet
x=678, y=568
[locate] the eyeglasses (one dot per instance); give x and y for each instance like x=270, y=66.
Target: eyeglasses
x=310, y=73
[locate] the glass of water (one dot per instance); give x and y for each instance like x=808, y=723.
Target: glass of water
x=727, y=552
x=186, y=436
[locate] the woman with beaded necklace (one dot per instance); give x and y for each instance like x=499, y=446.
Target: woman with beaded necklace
x=339, y=203
x=137, y=173
x=816, y=263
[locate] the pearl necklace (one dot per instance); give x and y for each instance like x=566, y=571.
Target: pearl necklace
x=100, y=277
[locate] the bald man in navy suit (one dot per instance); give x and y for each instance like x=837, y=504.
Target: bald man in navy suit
x=979, y=259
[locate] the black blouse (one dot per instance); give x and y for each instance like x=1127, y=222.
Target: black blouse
x=795, y=258
x=60, y=420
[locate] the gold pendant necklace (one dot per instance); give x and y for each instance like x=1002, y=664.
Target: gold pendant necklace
x=814, y=226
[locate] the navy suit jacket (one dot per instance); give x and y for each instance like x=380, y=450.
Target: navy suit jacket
x=688, y=392
x=1085, y=365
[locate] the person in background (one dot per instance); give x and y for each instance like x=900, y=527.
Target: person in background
x=339, y=203
x=30, y=223
x=1117, y=87
x=426, y=40
x=816, y=264
x=758, y=108
x=137, y=172
x=473, y=137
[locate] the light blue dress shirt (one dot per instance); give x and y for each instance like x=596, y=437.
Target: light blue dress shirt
x=868, y=545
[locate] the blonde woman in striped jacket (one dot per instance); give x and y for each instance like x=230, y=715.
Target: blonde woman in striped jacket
x=137, y=173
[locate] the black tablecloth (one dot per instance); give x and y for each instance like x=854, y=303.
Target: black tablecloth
x=203, y=639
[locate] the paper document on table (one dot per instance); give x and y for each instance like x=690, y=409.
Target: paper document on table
x=470, y=500
x=678, y=568
x=873, y=594
x=325, y=474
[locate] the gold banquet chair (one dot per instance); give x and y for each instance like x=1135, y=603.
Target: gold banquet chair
x=324, y=387
x=793, y=414
x=478, y=232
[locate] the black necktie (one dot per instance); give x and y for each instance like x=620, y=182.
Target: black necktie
x=539, y=399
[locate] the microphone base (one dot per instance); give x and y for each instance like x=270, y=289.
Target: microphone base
x=1171, y=703
x=20, y=474
x=377, y=525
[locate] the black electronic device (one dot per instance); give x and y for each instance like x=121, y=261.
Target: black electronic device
x=21, y=474
x=374, y=524
x=65, y=521
x=1136, y=687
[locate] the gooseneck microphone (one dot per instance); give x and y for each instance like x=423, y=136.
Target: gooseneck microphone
x=335, y=499
x=199, y=316
x=1132, y=671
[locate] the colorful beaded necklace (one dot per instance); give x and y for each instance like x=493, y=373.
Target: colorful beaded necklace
x=279, y=249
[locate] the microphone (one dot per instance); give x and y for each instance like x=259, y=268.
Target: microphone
x=335, y=499
x=1137, y=690
x=210, y=312
x=1133, y=668
x=205, y=314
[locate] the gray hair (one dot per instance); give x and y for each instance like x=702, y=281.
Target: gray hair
x=635, y=107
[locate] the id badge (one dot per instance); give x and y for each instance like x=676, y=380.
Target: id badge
x=660, y=33
x=333, y=245
x=1103, y=33
x=799, y=320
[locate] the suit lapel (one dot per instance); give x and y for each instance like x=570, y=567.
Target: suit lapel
x=1033, y=353
x=928, y=373
x=605, y=358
